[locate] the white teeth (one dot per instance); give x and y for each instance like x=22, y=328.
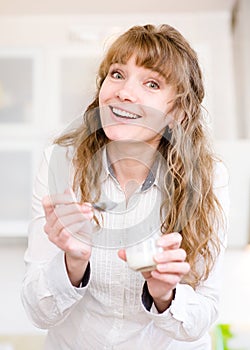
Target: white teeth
x=124, y=114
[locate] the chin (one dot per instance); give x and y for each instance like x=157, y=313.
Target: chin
x=117, y=133
x=119, y=137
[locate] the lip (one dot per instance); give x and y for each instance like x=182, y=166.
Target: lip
x=123, y=115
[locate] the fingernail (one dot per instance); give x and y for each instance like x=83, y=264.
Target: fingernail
x=89, y=216
x=178, y=235
x=86, y=206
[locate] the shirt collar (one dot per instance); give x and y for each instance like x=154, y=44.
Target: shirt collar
x=151, y=179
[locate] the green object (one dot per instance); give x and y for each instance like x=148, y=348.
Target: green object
x=222, y=335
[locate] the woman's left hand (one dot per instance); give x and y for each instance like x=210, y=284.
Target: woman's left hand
x=170, y=269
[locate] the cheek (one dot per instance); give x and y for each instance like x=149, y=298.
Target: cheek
x=101, y=96
x=105, y=92
x=160, y=104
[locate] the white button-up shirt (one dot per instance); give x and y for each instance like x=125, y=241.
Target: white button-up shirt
x=112, y=309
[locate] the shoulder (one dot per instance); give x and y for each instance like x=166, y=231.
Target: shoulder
x=58, y=152
x=221, y=186
x=220, y=174
x=56, y=167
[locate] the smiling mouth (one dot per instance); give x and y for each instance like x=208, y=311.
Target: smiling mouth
x=120, y=113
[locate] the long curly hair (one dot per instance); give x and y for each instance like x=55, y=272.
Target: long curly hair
x=189, y=203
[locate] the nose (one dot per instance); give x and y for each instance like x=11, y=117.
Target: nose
x=127, y=93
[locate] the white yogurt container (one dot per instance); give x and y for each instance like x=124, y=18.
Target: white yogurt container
x=140, y=257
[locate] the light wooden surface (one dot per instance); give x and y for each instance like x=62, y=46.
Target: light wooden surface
x=21, y=342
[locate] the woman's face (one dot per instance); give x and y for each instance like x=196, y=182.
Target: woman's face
x=134, y=103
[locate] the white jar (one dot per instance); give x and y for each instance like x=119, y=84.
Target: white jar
x=140, y=257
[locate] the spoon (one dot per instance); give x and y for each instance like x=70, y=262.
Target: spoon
x=104, y=206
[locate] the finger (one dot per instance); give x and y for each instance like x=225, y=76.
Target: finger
x=181, y=268
x=168, y=278
x=57, y=206
x=122, y=254
x=47, y=205
x=170, y=255
x=60, y=239
x=146, y=274
x=62, y=198
x=67, y=244
x=72, y=223
x=171, y=240
x=73, y=208
x=86, y=206
x=51, y=201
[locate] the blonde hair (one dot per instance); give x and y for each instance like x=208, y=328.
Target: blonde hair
x=190, y=205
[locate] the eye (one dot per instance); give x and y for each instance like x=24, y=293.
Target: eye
x=116, y=74
x=153, y=85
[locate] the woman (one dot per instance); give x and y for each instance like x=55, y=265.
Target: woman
x=143, y=145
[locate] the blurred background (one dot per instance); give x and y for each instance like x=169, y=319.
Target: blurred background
x=49, y=53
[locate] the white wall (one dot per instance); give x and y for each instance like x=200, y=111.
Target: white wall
x=210, y=34
x=235, y=154
x=235, y=301
x=241, y=44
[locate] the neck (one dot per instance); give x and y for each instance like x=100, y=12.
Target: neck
x=131, y=162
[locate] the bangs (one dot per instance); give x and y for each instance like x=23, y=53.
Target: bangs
x=151, y=50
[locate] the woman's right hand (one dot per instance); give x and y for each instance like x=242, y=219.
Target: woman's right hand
x=64, y=218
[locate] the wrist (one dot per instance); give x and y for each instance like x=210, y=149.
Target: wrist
x=75, y=269
x=163, y=303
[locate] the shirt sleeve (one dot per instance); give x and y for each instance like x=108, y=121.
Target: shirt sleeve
x=47, y=293
x=192, y=312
